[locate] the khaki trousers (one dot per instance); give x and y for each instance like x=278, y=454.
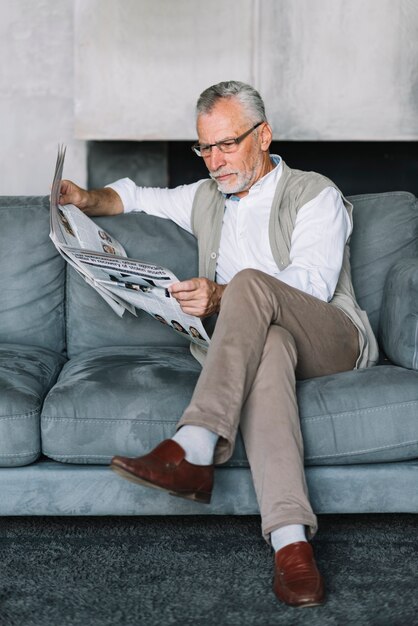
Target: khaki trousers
x=267, y=335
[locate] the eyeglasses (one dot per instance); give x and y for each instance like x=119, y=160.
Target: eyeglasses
x=227, y=145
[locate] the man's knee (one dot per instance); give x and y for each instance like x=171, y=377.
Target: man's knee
x=245, y=281
x=247, y=275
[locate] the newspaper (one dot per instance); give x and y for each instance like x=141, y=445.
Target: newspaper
x=125, y=284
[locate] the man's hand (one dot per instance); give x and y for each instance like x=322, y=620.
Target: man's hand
x=94, y=202
x=70, y=193
x=198, y=296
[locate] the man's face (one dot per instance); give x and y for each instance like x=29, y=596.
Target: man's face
x=234, y=172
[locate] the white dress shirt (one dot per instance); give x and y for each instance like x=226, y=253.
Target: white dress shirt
x=321, y=230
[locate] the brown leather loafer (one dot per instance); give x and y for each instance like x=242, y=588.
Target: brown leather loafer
x=166, y=468
x=297, y=580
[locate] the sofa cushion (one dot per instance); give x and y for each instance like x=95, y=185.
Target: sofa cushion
x=32, y=279
x=26, y=374
x=113, y=400
x=91, y=323
x=126, y=400
x=385, y=231
x=399, y=318
x=360, y=416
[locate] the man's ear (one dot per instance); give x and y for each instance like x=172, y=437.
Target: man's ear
x=266, y=136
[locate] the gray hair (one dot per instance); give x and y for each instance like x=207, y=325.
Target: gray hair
x=249, y=98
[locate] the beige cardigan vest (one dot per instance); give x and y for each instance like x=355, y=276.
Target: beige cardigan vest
x=295, y=188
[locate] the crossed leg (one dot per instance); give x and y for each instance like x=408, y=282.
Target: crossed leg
x=268, y=333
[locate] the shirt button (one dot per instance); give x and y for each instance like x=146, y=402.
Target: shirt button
x=213, y=255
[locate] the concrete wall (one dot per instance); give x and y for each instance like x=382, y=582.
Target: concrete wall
x=131, y=69
x=327, y=69
x=37, y=95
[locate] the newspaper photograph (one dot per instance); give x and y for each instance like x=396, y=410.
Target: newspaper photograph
x=124, y=283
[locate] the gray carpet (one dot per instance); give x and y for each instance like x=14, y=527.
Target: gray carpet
x=199, y=571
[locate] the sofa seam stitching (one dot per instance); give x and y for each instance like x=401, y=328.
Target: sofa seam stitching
x=77, y=456
x=20, y=453
x=383, y=407
x=107, y=420
x=364, y=196
x=365, y=450
x=19, y=416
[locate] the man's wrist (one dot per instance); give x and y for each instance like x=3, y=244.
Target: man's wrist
x=102, y=202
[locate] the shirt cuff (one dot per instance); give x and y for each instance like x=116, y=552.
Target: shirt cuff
x=125, y=188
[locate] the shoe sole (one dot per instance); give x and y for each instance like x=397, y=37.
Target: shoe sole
x=308, y=604
x=195, y=496
x=301, y=605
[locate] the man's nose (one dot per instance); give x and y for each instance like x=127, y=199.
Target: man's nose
x=216, y=159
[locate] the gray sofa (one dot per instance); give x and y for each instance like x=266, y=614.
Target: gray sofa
x=78, y=384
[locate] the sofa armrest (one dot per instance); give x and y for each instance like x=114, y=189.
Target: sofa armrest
x=398, y=331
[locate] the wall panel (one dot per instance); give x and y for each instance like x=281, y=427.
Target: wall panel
x=328, y=69
x=140, y=64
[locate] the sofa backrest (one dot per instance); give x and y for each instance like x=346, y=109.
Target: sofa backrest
x=385, y=230
x=32, y=276
x=91, y=323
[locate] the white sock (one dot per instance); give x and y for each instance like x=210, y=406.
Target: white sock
x=198, y=442
x=287, y=534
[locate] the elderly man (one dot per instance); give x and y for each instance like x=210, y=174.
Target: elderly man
x=274, y=266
